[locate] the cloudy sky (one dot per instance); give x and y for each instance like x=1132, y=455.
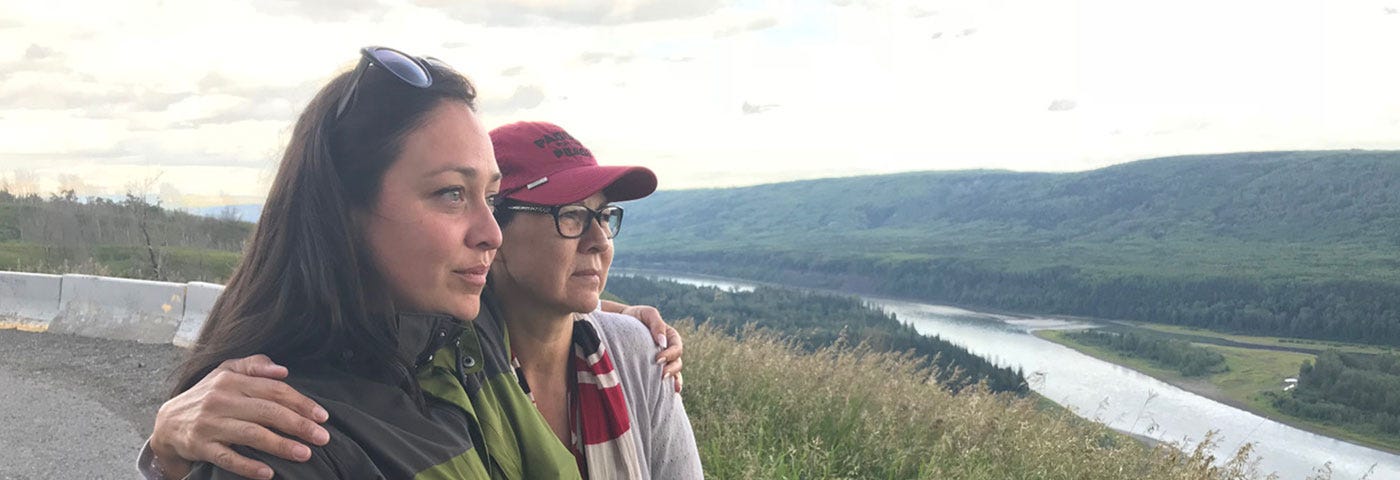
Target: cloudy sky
x=194, y=100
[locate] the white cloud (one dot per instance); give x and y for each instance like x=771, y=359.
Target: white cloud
x=593, y=58
x=751, y=109
x=1062, y=105
x=579, y=12
x=753, y=25
x=525, y=97
x=321, y=11
x=39, y=53
x=688, y=88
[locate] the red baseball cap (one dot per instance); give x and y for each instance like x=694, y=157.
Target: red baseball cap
x=542, y=164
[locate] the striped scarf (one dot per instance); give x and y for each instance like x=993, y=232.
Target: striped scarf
x=603, y=441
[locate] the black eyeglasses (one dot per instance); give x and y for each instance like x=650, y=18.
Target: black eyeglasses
x=407, y=68
x=572, y=221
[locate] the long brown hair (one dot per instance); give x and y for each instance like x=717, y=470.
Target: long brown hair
x=306, y=289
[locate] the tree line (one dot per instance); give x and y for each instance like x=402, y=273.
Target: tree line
x=1185, y=358
x=132, y=236
x=1358, y=391
x=1342, y=309
x=65, y=220
x=816, y=320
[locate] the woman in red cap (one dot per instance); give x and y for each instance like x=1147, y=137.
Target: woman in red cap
x=589, y=372
x=363, y=276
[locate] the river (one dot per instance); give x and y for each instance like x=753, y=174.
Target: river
x=1117, y=396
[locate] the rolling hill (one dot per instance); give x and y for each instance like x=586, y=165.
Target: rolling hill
x=1280, y=243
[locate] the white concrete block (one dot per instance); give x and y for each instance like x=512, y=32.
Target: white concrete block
x=199, y=300
x=28, y=301
x=119, y=308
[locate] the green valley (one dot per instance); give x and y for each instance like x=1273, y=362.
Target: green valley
x=1293, y=244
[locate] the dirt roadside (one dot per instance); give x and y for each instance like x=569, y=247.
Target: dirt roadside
x=77, y=407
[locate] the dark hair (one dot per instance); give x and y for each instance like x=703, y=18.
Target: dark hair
x=306, y=288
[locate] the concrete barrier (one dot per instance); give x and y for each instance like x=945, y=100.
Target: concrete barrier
x=119, y=308
x=28, y=301
x=199, y=299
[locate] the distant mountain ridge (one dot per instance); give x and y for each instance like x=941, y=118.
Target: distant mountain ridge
x=1255, y=242
x=1295, y=196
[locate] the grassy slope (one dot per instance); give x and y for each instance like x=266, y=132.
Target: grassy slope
x=1252, y=372
x=761, y=409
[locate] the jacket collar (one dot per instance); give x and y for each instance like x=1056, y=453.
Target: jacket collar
x=420, y=335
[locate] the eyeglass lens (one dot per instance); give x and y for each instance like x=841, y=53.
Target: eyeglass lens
x=574, y=220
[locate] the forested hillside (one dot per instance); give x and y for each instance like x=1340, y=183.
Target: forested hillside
x=131, y=238
x=1285, y=243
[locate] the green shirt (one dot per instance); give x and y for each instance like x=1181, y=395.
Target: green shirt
x=519, y=443
x=474, y=420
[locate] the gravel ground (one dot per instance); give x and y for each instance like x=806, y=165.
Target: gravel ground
x=77, y=407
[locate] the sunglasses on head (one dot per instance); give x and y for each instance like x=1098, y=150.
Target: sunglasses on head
x=409, y=69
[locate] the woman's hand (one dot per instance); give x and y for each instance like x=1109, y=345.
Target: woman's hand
x=239, y=403
x=666, y=337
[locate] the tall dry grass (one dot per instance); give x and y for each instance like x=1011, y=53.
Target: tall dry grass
x=763, y=409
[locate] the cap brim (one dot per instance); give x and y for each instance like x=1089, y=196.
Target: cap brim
x=618, y=183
